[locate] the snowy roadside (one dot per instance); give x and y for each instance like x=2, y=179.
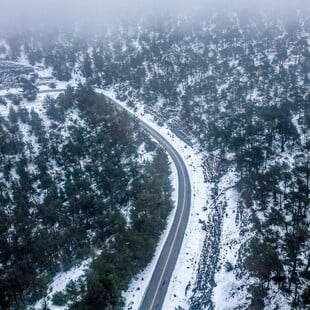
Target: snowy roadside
x=229, y=293
x=186, y=268
x=139, y=283
x=187, y=264
x=60, y=281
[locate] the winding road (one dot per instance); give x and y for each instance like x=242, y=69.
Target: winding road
x=155, y=293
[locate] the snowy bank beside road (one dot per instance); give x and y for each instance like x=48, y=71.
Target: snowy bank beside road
x=224, y=295
x=186, y=268
x=187, y=264
x=134, y=294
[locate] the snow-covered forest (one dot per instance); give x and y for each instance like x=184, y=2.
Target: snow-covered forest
x=234, y=85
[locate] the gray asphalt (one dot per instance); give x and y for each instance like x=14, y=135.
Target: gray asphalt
x=155, y=294
x=157, y=289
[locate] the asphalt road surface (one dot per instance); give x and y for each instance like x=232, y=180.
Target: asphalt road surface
x=156, y=291
x=155, y=294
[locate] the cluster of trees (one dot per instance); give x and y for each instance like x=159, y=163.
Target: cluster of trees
x=52, y=49
x=236, y=83
x=28, y=87
x=15, y=75
x=64, y=188
x=113, y=269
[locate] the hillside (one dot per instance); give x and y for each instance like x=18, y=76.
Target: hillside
x=79, y=181
x=233, y=85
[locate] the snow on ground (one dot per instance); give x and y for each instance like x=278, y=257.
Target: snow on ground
x=187, y=264
x=37, y=104
x=186, y=268
x=138, y=285
x=144, y=155
x=229, y=293
x=61, y=280
x=6, y=50
x=4, y=92
x=135, y=292
x=29, y=139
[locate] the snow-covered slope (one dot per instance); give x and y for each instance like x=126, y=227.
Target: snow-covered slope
x=235, y=88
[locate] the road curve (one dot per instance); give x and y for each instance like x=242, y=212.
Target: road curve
x=155, y=293
x=154, y=296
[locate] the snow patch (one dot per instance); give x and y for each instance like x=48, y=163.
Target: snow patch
x=224, y=293
x=143, y=155
x=187, y=264
x=61, y=280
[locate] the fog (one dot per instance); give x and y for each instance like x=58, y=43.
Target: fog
x=16, y=12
